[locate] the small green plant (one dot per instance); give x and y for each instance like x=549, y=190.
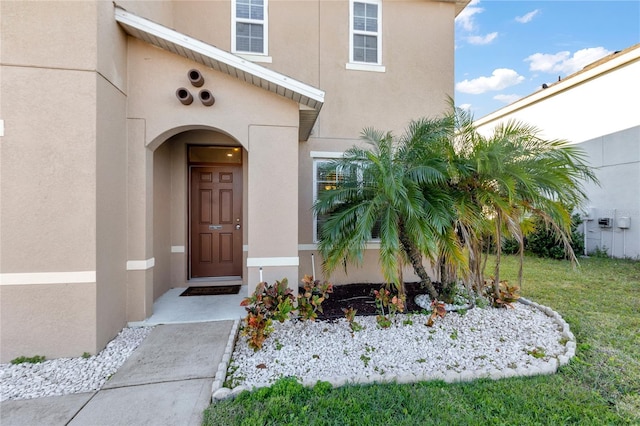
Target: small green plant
x=421, y=360
x=481, y=302
x=600, y=252
x=388, y=305
x=383, y=321
x=454, y=334
x=266, y=303
x=232, y=380
x=273, y=301
x=257, y=328
x=350, y=315
x=537, y=353
x=311, y=298
x=509, y=293
x=86, y=355
x=36, y=359
x=365, y=359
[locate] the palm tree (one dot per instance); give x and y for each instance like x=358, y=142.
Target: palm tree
x=383, y=188
x=443, y=189
x=511, y=175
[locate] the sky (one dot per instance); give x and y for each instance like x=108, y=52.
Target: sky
x=506, y=49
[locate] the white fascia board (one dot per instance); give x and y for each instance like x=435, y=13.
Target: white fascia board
x=561, y=86
x=216, y=54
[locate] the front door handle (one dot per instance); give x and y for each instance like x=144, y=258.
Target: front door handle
x=238, y=226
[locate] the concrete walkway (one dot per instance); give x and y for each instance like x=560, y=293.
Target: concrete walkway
x=166, y=381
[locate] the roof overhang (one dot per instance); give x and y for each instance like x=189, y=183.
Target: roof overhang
x=308, y=97
x=460, y=4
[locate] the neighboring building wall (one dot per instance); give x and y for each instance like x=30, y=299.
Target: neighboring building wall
x=597, y=110
x=617, y=159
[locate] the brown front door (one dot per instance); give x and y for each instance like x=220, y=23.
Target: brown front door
x=216, y=221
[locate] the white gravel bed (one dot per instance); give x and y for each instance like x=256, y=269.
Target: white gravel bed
x=498, y=342
x=69, y=375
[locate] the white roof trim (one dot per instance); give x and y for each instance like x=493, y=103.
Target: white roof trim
x=225, y=62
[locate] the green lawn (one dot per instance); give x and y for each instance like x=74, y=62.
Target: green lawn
x=600, y=386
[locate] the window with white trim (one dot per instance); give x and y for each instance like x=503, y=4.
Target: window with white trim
x=327, y=176
x=249, y=27
x=365, y=28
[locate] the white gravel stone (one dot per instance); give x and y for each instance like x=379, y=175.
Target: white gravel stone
x=480, y=343
x=64, y=376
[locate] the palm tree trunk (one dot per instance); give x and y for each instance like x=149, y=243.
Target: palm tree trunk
x=415, y=257
x=496, y=279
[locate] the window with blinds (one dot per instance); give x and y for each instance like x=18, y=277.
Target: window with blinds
x=250, y=26
x=365, y=32
x=328, y=177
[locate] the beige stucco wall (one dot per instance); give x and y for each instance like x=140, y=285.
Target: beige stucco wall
x=111, y=211
x=55, y=320
x=273, y=203
x=162, y=219
x=47, y=216
x=48, y=197
x=38, y=34
x=63, y=177
x=139, y=221
x=154, y=76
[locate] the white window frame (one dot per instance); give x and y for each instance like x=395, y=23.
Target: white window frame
x=365, y=66
x=327, y=157
x=251, y=56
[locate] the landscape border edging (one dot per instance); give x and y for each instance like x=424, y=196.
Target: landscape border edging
x=551, y=366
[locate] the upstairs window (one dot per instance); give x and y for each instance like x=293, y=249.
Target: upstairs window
x=249, y=27
x=365, y=31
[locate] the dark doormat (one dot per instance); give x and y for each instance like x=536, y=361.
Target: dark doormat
x=211, y=290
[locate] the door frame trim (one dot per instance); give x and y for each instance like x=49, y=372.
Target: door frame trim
x=187, y=249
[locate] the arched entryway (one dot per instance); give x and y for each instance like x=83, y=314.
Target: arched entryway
x=198, y=209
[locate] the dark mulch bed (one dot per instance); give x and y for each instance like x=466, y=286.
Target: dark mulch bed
x=360, y=297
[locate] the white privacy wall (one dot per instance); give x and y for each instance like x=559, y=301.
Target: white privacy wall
x=599, y=110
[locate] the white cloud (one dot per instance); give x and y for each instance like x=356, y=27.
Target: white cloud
x=482, y=39
x=527, y=17
x=501, y=78
x=564, y=62
x=466, y=19
x=507, y=99
x=465, y=107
